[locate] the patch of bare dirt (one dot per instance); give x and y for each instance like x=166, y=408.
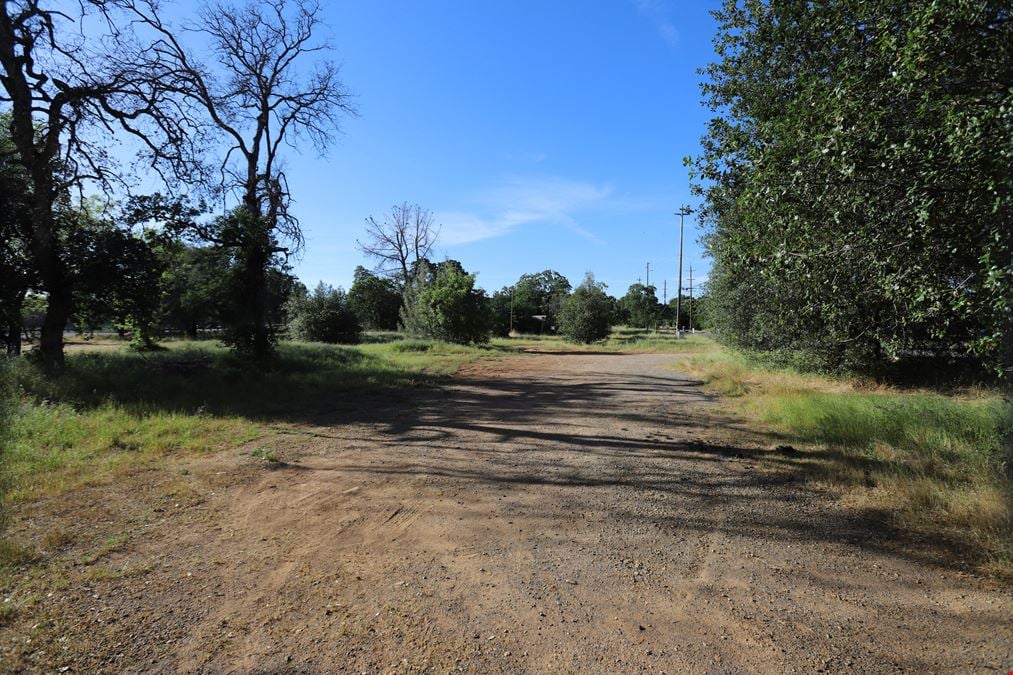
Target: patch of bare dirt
x=545, y=513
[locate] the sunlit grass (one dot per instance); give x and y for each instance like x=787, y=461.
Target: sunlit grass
x=58, y=448
x=938, y=463
x=622, y=339
x=116, y=411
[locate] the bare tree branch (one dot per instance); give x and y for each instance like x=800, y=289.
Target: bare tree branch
x=406, y=235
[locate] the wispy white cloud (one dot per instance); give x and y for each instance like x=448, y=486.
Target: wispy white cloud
x=520, y=201
x=657, y=11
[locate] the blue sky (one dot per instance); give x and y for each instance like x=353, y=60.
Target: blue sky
x=541, y=135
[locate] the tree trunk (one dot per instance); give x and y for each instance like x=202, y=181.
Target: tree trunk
x=51, y=338
x=13, y=337
x=54, y=281
x=257, y=276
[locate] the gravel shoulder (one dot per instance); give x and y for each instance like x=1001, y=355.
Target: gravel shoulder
x=544, y=513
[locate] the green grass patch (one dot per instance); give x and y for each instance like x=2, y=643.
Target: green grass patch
x=58, y=448
x=622, y=339
x=116, y=411
x=938, y=463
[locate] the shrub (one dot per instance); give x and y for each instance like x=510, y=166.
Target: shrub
x=323, y=316
x=376, y=301
x=442, y=303
x=586, y=314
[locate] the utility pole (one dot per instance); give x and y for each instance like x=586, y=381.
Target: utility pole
x=691, y=328
x=511, y=311
x=648, y=275
x=664, y=295
x=683, y=211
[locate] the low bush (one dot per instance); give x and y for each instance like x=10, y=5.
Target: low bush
x=586, y=314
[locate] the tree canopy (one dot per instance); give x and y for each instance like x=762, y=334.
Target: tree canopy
x=442, y=303
x=856, y=179
x=541, y=294
x=640, y=306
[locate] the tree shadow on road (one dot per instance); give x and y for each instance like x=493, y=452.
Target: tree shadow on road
x=654, y=430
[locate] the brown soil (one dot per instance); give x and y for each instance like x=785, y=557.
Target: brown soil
x=545, y=513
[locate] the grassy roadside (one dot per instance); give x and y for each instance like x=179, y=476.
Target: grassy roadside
x=936, y=465
x=116, y=412
x=622, y=339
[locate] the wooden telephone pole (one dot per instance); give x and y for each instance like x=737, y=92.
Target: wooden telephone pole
x=683, y=211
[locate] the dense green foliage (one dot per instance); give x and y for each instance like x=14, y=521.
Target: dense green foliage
x=442, y=303
x=375, y=300
x=586, y=314
x=227, y=271
x=640, y=306
x=531, y=305
x=116, y=278
x=857, y=179
x=540, y=294
x=323, y=315
x=501, y=306
x=694, y=313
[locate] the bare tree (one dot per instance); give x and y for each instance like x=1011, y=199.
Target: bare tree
x=64, y=91
x=258, y=99
x=406, y=235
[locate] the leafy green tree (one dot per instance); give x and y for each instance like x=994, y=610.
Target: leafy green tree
x=115, y=277
x=856, y=179
x=63, y=89
x=692, y=308
x=586, y=315
x=442, y=303
x=247, y=322
x=375, y=300
x=501, y=306
x=17, y=273
x=33, y=314
x=194, y=285
x=640, y=306
x=324, y=315
x=618, y=316
x=540, y=294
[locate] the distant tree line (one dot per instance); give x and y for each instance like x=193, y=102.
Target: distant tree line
x=856, y=180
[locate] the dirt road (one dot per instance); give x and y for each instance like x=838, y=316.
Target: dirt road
x=546, y=513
